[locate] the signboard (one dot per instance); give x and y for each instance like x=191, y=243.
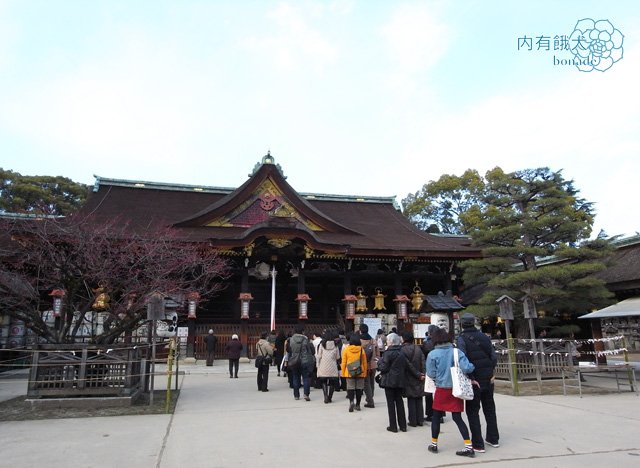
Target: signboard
x=183, y=332
x=373, y=323
x=420, y=330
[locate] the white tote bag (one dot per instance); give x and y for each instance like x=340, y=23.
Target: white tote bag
x=429, y=385
x=462, y=387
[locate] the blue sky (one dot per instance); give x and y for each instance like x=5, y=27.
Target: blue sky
x=351, y=97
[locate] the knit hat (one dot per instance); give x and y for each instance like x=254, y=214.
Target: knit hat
x=468, y=320
x=234, y=337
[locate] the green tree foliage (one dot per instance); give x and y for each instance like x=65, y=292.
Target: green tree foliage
x=46, y=195
x=533, y=229
x=447, y=205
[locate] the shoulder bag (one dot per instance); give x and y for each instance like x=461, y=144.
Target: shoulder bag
x=462, y=387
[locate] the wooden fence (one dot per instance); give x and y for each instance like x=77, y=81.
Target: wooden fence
x=224, y=333
x=81, y=370
x=551, y=355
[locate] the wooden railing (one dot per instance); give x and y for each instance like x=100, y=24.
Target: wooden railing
x=81, y=370
x=550, y=355
x=224, y=333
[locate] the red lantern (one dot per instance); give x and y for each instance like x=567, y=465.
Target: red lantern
x=350, y=306
x=303, y=302
x=245, y=299
x=193, y=298
x=401, y=306
x=57, y=294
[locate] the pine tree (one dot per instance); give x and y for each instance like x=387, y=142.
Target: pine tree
x=533, y=230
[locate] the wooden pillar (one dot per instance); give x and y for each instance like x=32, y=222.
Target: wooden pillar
x=598, y=346
x=244, y=327
x=348, y=324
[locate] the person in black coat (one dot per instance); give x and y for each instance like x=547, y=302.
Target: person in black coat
x=393, y=367
x=414, y=387
x=210, y=341
x=480, y=352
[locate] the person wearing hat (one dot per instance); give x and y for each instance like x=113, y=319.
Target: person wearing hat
x=480, y=352
x=210, y=341
x=234, y=350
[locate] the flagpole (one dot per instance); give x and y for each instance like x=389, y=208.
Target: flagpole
x=273, y=298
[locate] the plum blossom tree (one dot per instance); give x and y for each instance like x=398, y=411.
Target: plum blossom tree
x=85, y=258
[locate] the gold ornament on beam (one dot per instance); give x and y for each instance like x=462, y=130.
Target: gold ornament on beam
x=361, y=301
x=416, y=298
x=379, y=300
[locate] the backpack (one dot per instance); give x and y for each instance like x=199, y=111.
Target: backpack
x=368, y=351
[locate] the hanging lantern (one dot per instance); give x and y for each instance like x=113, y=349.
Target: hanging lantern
x=193, y=298
x=379, y=300
x=350, y=306
x=361, y=301
x=416, y=298
x=401, y=306
x=303, y=303
x=101, y=302
x=57, y=295
x=245, y=299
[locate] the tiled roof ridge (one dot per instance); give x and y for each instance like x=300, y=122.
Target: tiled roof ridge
x=310, y=196
x=400, y=220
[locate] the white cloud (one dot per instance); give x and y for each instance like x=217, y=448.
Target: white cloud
x=141, y=99
x=416, y=39
x=296, y=43
x=584, y=123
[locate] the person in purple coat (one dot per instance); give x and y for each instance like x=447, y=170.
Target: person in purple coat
x=234, y=350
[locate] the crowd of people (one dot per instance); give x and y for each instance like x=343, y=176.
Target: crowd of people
x=334, y=362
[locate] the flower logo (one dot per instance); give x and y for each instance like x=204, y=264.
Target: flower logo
x=596, y=45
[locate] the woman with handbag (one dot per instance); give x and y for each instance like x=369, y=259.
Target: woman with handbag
x=393, y=367
x=354, y=370
x=327, y=354
x=439, y=364
x=264, y=358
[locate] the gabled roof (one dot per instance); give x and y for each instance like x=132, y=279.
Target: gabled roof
x=443, y=302
x=267, y=206
x=626, y=308
x=266, y=195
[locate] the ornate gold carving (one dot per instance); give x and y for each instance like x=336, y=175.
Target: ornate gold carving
x=308, y=251
x=248, y=250
x=279, y=243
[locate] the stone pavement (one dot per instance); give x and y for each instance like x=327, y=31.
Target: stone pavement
x=222, y=422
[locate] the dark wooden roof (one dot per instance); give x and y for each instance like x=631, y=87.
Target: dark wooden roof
x=230, y=218
x=442, y=302
x=624, y=271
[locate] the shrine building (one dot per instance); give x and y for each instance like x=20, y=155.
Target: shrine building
x=327, y=260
